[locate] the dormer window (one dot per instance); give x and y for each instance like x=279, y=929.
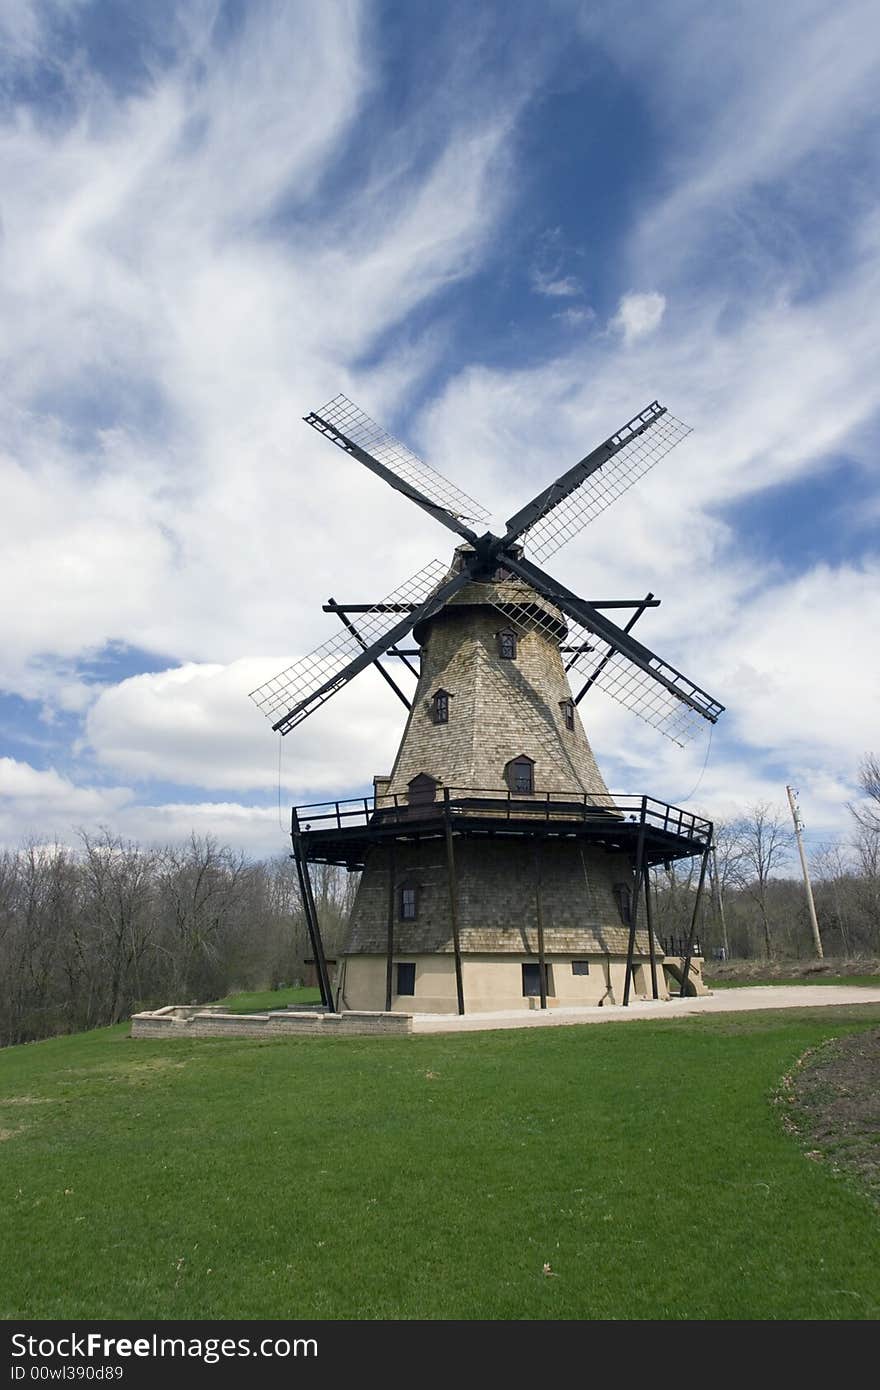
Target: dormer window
x=567, y=709
x=520, y=774
x=440, y=707
x=507, y=644
x=422, y=790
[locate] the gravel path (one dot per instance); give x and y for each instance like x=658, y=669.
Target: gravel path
x=724, y=1001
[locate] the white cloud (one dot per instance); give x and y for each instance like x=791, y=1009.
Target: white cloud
x=152, y=286
x=194, y=725
x=46, y=803
x=638, y=314
x=46, y=806
x=556, y=286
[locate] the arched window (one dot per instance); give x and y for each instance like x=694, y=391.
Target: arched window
x=567, y=708
x=440, y=707
x=507, y=644
x=520, y=773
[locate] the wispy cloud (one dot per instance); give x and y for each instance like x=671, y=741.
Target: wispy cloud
x=556, y=287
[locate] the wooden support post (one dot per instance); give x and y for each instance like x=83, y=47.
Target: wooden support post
x=311, y=913
x=453, y=900
x=539, y=914
x=389, y=950
x=689, y=945
x=649, y=921
x=634, y=903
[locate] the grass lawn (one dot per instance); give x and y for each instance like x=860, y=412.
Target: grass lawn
x=259, y=1001
x=428, y=1177
x=872, y=980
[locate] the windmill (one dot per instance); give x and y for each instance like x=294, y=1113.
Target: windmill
x=512, y=764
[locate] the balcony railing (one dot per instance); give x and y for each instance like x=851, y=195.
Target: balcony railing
x=677, y=946
x=465, y=802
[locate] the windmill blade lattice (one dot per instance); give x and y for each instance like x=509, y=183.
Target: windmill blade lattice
x=343, y=417
x=312, y=672
x=564, y=519
x=612, y=672
x=629, y=685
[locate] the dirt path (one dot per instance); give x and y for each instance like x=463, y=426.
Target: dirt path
x=725, y=1001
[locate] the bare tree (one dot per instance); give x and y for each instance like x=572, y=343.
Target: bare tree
x=868, y=813
x=118, y=888
x=765, y=843
x=833, y=874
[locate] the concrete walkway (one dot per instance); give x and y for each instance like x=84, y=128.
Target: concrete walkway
x=723, y=1001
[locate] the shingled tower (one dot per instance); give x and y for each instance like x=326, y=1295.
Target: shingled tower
x=498, y=871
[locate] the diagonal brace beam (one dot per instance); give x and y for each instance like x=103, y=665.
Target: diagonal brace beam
x=346, y=621
x=605, y=660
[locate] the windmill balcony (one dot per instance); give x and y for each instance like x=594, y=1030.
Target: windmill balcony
x=341, y=831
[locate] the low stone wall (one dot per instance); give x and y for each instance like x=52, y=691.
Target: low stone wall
x=200, y=1021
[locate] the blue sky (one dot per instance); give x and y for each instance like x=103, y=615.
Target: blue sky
x=502, y=229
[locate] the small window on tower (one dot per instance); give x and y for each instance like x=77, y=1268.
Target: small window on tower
x=441, y=707
x=521, y=774
x=507, y=644
x=623, y=896
x=409, y=902
x=567, y=707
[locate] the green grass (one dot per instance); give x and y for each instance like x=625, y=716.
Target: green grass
x=259, y=1001
x=429, y=1177
x=872, y=980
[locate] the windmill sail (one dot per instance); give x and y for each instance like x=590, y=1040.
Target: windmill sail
x=353, y=431
x=571, y=503
x=615, y=662
x=297, y=691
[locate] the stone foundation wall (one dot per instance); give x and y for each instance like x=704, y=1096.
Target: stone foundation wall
x=196, y=1021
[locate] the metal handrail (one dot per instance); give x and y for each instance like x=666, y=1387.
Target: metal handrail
x=678, y=945
x=394, y=807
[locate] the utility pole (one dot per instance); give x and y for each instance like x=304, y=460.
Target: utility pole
x=795, y=815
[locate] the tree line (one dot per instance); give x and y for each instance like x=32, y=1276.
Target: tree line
x=753, y=908
x=94, y=932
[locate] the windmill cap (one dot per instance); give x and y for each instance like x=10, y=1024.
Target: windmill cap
x=503, y=592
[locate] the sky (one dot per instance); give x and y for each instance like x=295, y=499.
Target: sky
x=502, y=229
